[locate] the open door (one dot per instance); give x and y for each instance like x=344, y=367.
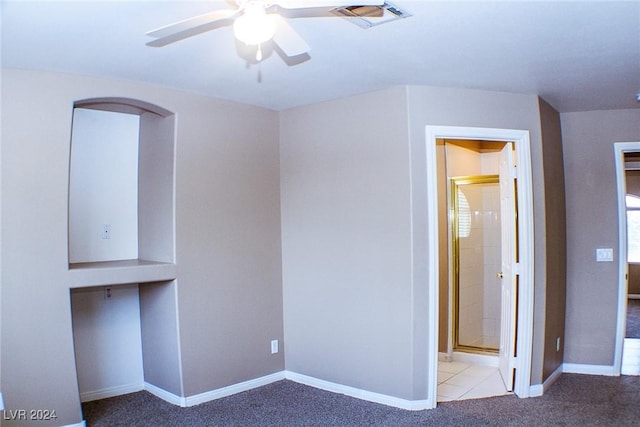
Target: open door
x=508, y=274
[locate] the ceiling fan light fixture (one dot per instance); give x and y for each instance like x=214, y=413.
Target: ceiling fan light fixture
x=254, y=26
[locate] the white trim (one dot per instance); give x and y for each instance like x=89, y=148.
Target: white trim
x=538, y=390
x=525, y=233
x=619, y=149
x=82, y=423
x=177, y=311
x=208, y=396
x=411, y=405
x=432, y=267
x=234, y=389
x=165, y=395
x=553, y=377
x=105, y=393
x=579, y=368
x=396, y=402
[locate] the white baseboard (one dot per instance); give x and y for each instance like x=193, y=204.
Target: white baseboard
x=105, y=393
x=165, y=395
x=233, y=389
x=213, y=394
x=578, y=368
x=538, y=390
x=411, y=405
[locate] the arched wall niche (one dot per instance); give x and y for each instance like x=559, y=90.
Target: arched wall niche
x=111, y=137
x=114, y=138
x=122, y=105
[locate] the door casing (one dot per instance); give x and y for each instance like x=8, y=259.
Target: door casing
x=525, y=271
x=620, y=148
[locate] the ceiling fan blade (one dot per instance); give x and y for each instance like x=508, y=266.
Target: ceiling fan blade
x=194, y=23
x=301, y=4
x=176, y=37
x=287, y=39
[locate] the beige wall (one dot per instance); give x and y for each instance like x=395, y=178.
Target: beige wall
x=354, y=231
x=227, y=250
x=459, y=107
x=592, y=222
x=554, y=296
x=443, y=249
x=346, y=242
x=471, y=108
x=348, y=179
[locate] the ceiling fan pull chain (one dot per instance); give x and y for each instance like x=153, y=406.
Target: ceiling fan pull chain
x=259, y=53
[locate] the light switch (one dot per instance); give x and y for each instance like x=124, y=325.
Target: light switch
x=604, y=255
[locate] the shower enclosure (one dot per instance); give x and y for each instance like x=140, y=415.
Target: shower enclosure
x=476, y=261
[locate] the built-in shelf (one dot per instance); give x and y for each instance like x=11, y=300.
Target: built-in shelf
x=110, y=273
x=121, y=209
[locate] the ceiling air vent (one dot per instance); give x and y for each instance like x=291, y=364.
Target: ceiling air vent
x=369, y=16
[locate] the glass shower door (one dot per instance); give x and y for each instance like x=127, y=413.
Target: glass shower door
x=475, y=215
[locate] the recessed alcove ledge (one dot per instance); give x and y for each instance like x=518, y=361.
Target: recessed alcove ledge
x=109, y=273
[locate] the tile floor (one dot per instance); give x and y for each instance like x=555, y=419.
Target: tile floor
x=464, y=380
x=630, y=357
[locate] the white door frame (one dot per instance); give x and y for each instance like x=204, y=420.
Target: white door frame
x=526, y=249
x=508, y=272
x=621, y=185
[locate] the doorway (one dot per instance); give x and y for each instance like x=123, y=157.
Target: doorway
x=520, y=318
x=481, y=237
x=627, y=347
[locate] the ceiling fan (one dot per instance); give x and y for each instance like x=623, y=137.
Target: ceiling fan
x=254, y=23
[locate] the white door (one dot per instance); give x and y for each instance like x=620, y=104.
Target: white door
x=508, y=282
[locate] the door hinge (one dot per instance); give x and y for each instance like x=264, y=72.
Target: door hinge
x=514, y=172
x=515, y=268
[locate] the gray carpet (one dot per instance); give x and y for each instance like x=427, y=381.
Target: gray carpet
x=574, y=400
x=633, y=318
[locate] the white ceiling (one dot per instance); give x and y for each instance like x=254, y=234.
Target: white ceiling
x=577, y=55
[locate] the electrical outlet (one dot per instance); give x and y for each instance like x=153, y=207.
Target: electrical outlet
x=106, y=231
x=604, y=255
x=107, y=292
x=274, y=346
